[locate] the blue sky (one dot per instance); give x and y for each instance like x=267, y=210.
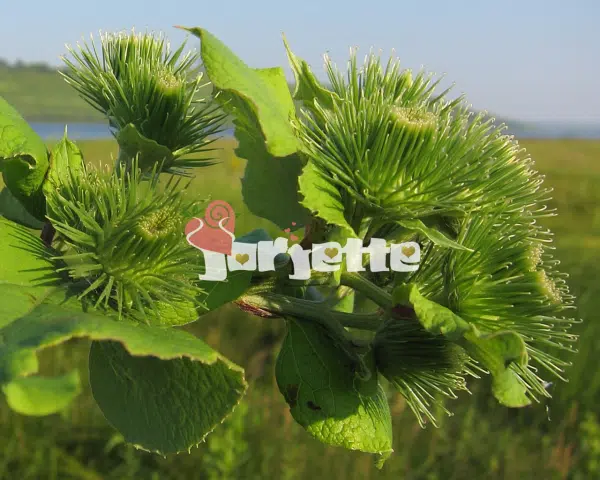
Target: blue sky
x=528, y=59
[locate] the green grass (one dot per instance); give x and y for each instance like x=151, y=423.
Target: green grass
x=43, y=95
x=557, y=440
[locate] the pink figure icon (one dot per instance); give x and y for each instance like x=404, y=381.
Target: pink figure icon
x=210, y=234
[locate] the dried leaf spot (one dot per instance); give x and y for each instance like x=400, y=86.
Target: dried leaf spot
x=291, y=395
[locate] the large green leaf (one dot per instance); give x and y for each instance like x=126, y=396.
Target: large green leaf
x=308, y=88
x=38, y=312
x=326, y=396
x=265, y=91
x=262, y=107
x=162, y=388
x=270, y=184
x=164, y=406
x=323, y=199
x=23, y=160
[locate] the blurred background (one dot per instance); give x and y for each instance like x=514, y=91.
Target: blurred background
x=533, y=65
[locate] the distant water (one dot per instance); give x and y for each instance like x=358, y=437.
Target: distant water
x=97, y=131
x=554, y=130
x=75, y=131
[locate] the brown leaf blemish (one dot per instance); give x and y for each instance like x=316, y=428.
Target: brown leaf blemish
x=291, y=395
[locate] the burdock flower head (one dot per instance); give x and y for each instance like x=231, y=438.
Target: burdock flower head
x=150, y=96
x=508, y=282
x=400, y=161
x=398, y=151
x=122, y=243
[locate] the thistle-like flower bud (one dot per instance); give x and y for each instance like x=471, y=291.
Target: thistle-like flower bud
x=376, y=132
x=547, y=287
x=534, y=256
x=169, y=85
x=139, y=84
x=417, y=121
x=397, y=150
x=507, y=283
x=421, y=366
x=160, y=224
x=125, y=245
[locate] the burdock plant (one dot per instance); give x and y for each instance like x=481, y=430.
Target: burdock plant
x=376, y=156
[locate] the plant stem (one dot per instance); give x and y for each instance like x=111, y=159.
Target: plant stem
x=341, y=300
x=369, y=289
x=315, y=311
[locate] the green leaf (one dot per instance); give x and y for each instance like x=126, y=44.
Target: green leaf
x=509, y=390
x=265, y=91
x=162, y=388
x=27, y=274
x=173, y=313
x=65, y=159
x=308, y=88
x=261, y=103
x=326, y=396
x=164, y=406
x=218, y=294
x=270, y=184
x=432, y=234
x=39, y=396
x=323, y=199
x=434, y=317
x=496, y=352
x=149, y=153
x=38, y=311
x=23, y=160
x=14, y=210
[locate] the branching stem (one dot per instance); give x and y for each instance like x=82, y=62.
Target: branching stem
x=361, y=284
x=315, y=311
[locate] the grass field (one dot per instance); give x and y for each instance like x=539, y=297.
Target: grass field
x=41, y=94
x=557, y=440
x=59, y=102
